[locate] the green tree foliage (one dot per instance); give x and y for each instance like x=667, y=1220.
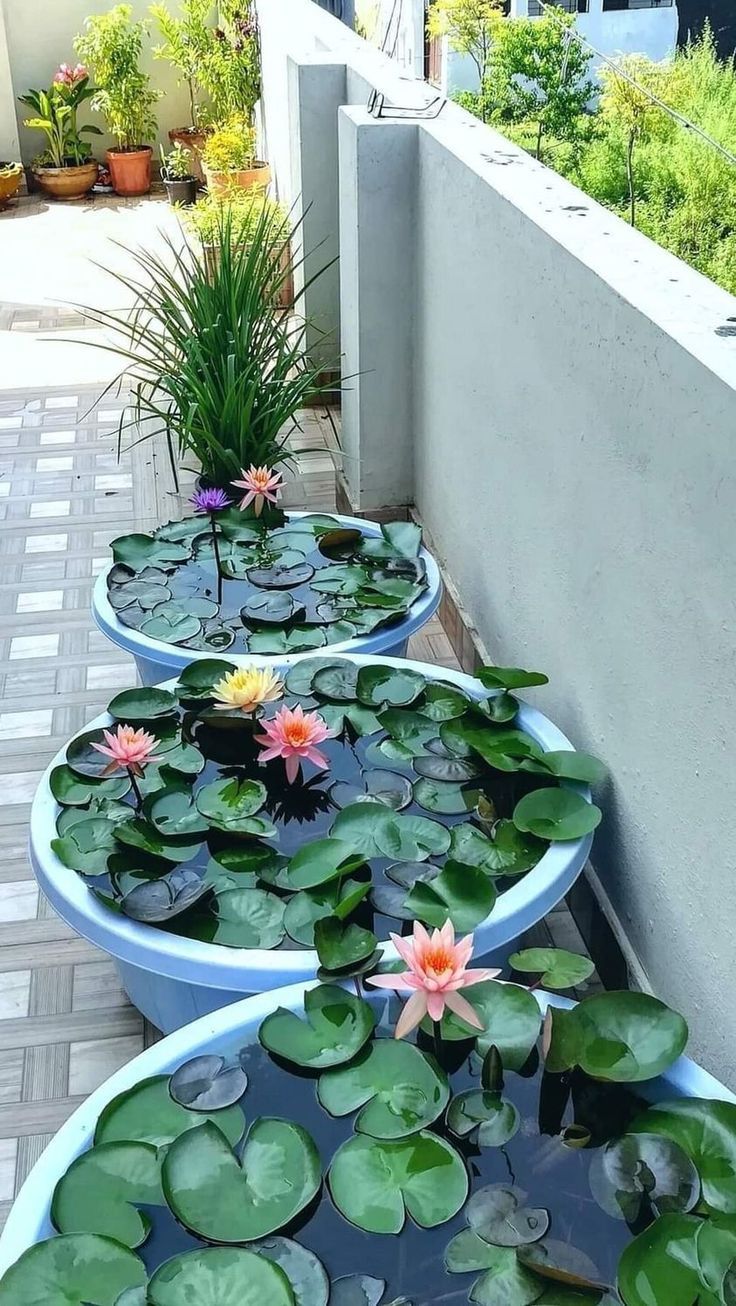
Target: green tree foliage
x=539, y=72
x=470, y=26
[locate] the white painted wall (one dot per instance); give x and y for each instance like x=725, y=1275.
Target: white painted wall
x=39, y=37
x=558, y=396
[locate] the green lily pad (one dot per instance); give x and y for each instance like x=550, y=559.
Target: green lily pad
x=229, y=1200
x=143, y=835
x=98, y=1192
x=410, y=732
x=71, y=790
x=376, y=1183
x=498, y=1214
x=146, y=1113
x=387, y=787
x=309, y=1280
x=221, y=1276
x=494, y=1118
x=638, y=1169
x=341, y=945
x=443, y=798
x=442, y=766
x=397, y=1087
x=509, y=678
x=105, y=809
x=511, y=1021
x=171, y=810
x=158, y=901
x=398, y=539
x=142, y=704
x=390, y=686
x=87, y=846
x=345, y=580
x=443, y=702
x=509, y=852
x=138, y=551
x=623, y=1037
x=323, y=860
x=87, y=762
x=504, y=750
x=337, y=680
x=207, y=1083
x=504, y=1278
x=77, y=1269
x=706, y=1132
x=568, y=764
x=667, y=1264
x=197, y=680
x=171, y=628
x=304, y=909
x=558, y=968
x=229, y=804
x=357, y=1290
x=556, y=814
x=499, y=708
x=300, y=677
x=461, y=894
x=337, y=1026
x=249, y=918
x=274, y=608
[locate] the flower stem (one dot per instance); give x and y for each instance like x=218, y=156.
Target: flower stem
x=437, y=1031
x=218, y=562
x=136, y=790
x=358, y=985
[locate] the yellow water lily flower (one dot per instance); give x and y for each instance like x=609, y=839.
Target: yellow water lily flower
x=247, y=688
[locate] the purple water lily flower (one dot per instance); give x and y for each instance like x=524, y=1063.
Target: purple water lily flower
x=211, y=500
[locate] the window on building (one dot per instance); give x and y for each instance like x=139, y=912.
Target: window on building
x=637, y=4
x=569, y=6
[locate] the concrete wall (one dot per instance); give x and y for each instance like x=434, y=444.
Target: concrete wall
x=558, y=396
x=39, y=37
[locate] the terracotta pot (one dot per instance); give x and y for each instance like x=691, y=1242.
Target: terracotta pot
x=67, y=183
x=193, y=140
x=285, y=297
x=10, y=181
x=130, y=170
x=219, y=183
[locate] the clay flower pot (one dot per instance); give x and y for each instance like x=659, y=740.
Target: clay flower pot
x=66, y=183
x=130, y=170
x=11, y=175
x=219, y=183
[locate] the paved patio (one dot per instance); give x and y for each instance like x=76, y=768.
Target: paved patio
x=65, y=1024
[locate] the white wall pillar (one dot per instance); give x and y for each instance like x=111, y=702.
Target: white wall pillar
x=378, y=188
x=9, y=143
x=317, y=88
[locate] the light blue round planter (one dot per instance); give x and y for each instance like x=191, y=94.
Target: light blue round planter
x=157, y=661
x=174, y=980
x=29, y=1220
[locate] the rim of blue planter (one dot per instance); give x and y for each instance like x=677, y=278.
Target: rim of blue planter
x=29, y=1219
x=255, y=970
x=172, y=657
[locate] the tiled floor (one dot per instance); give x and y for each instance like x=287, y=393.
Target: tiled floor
x=65, y=1024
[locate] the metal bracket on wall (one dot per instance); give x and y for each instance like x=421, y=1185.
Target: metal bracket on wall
x=378, y=108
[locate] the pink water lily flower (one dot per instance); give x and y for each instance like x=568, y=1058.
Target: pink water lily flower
x=262, y=484
x=437, y=970
x=129, y=749
x=293, y=734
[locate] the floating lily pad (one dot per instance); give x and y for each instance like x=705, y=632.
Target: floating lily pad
x=556, y=814
x=505, y=1279
x=376, y=1183
x=557, y=968
x=499, y=708
x=170, y=627
x=511, y=1021
x=409, y=729
x=106, y=809
x=161, y=900
x=443, y=798
x=78, y=1269
x=147, y=1113
x=357, y=1290
x=304, y=909
x=280, y=576
x=391, y=898
x=494, y=1118
x=229, y=1200
x=74, y=791
x=322, y=860
x=171, y=810
x=392, y=686
x=499, y=1215
x=138, y=551
x=248, y=918
x=509, y=852
x=442, y=702
x=446, y=769
x=639, y=1170
x=342, y=945
x=504, y=750
x=623, y=1037
x=568, y=764
x=207, y=1083
x=142, y=704
x=462, y=894
x=99, y=1191
x=87, y=845
x=387, y=787
x=221, y=1276
x=230, y=804
x=402, y=539
x=336, y=1027
x=509, y=678
x=664, y=1264
x=706, y=1132
x=197, y=680
x=143, y=835
x=397, y=1088
x=271, y=609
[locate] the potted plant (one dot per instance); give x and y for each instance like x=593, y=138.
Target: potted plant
x=11, y=176
x=111, y=45
x=66, y=169
x=292, y=1149
x=241, y=211
x=176, y=174
x=187, y=42
x=229, y=159
x=230, y=71
x=247, y=825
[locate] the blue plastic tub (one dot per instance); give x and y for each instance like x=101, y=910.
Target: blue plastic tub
x=174, y=980
x=157, y=661
x=29, y=1220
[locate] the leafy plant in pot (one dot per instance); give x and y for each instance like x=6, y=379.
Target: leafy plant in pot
x=176, y=174
x=111, y=45
x=66, y=169
x=187, y=44
x=242, y=210
x=229, y=159
x=207, y=354
x=311, y=1155
x=11, y=176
